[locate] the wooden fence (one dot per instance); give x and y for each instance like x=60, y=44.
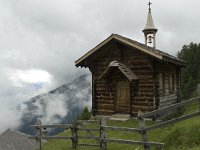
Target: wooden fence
x=103, y=128
x=141, y=117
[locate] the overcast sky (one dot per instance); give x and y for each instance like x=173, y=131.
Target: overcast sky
x=41, y=39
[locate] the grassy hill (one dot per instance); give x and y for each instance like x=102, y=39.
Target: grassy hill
x=181, y=136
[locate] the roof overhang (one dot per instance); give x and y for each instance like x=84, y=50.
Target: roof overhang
x=127, y=72
x=142, y=47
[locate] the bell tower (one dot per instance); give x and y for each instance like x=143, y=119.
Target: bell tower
x=150, y=30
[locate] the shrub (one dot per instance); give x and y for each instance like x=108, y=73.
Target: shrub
x=85, y=115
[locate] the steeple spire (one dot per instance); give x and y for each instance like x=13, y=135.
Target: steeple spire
x=150, y=30
x=149, y=5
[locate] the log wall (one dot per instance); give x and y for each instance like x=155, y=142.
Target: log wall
x=146, y=93
x=142, y=91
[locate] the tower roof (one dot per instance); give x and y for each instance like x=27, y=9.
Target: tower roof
x=150, y=23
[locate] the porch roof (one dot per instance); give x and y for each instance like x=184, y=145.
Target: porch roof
x=122, y=68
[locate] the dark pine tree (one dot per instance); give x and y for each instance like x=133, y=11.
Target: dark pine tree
x=191, y=73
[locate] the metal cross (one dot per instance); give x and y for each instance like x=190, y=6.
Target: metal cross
x=149, y=5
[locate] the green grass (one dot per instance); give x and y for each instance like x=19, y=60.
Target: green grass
x=184, y=135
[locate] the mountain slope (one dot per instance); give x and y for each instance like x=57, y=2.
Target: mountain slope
x=60, y=105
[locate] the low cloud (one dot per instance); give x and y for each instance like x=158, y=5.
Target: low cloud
x=49, y=35
x=57, y=106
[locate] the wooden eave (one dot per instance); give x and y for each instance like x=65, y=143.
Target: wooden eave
x=142, y=47
x=174, y=61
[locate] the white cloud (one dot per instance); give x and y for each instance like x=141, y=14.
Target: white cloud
x=55, y=107
x=9, y=117
x=49, y=35
x=30, y=76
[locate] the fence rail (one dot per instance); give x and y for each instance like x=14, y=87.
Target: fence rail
x=173, y=106
x=88, y=129
x=50, y=137
x=102, y=138
x=172, y=121
x=90, y=145
x=122, y=128
x=132, y=142
x=53, y=126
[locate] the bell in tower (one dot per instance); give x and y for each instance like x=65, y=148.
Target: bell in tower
x=150, y=30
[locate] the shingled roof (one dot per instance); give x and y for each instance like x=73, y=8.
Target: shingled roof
x=122, y=68
x=15, y=140
x=142, y=47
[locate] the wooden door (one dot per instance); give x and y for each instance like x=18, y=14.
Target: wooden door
x=123, y=97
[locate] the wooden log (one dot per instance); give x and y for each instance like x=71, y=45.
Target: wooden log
x=121, y=128
x=167, y=103
x=198, y=89
x=133, y=142
x=140, y=62
x=52, y=126
x=143, y=133
x=155, y=112
x=49, y=137
x=142, y=103
x=143, y=67
x=144, y=77
x=147, y=108
x=105, y=99
x=39, y=134
x=168, y=97
x=88, y=137
x=149, y=81
x=88, y=129
x=90, y=145
x=102, y=94
x=105, y=111
x=101, y=85
x=198, y=92
x=172, y=121
x=104, y=88
x=145, y=90
x=106, y=107
x=100, y=82
x=103, y=144
x=74, y=135
x=143, y=98
x=87, y=121
x=143, y=85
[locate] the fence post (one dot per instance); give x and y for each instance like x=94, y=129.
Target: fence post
x=198, y=92
x=143, y=132
x=74, y=135
x=103, y=144
x=39, y=133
